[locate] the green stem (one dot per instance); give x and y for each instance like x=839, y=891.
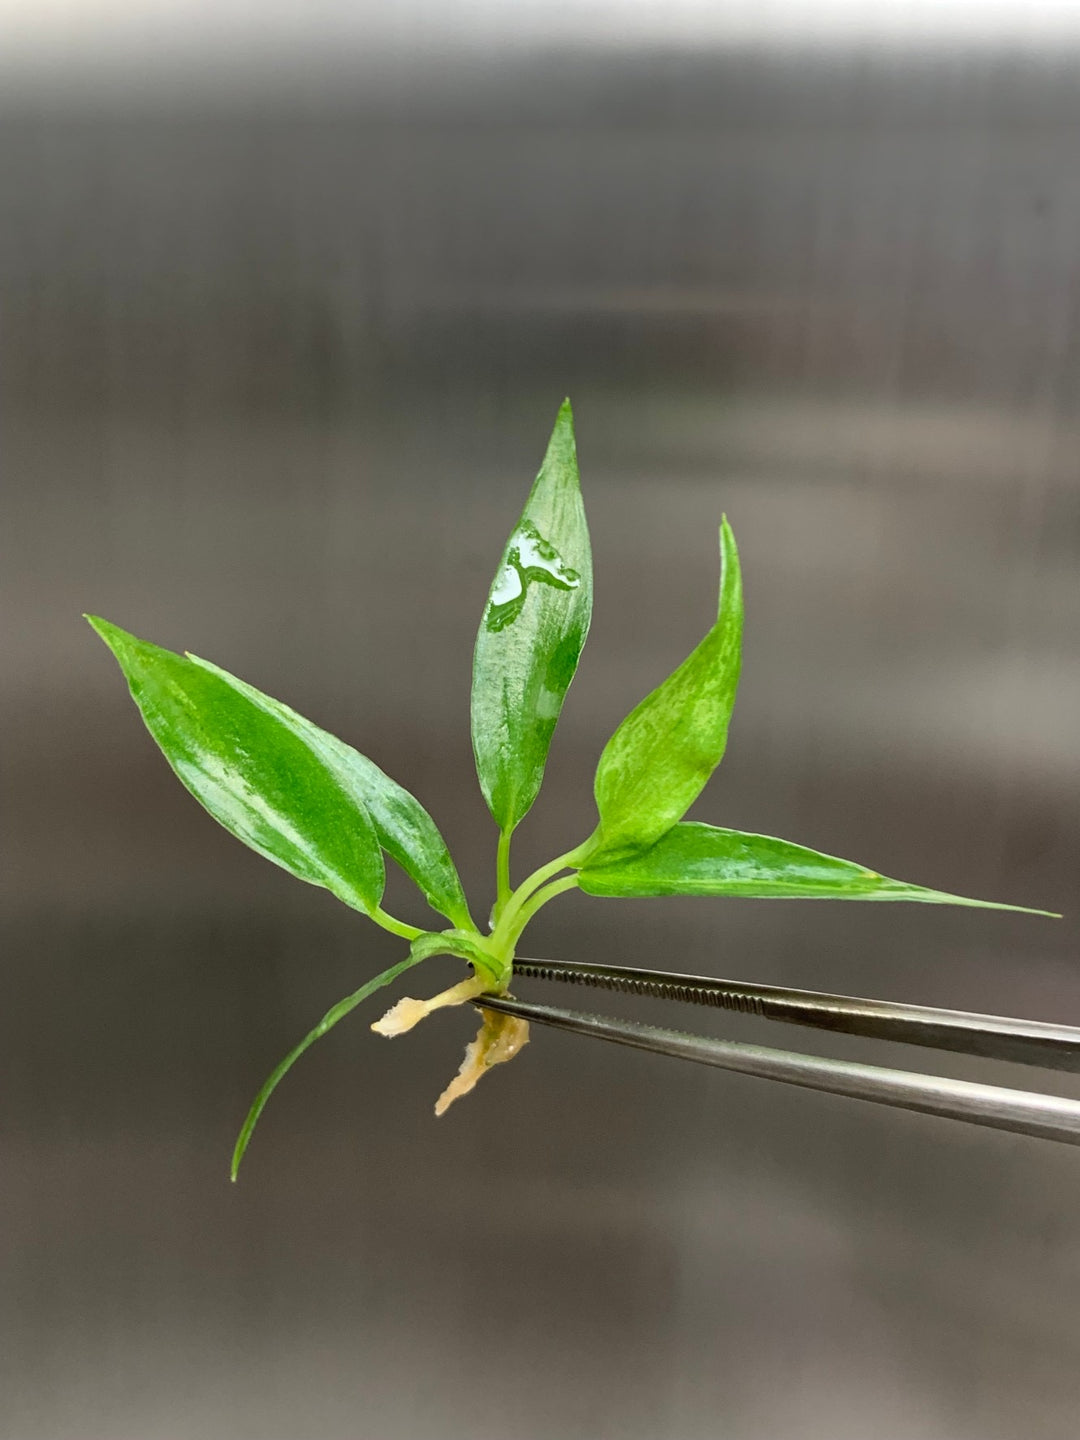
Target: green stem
x=571, y=860
x=396, y=927
x=503, y=888
x=505, y=918
x=539, y=899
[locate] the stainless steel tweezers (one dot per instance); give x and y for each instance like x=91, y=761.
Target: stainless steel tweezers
x=1026, y=1042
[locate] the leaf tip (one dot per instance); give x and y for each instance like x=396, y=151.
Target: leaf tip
x=564, y=421
x=945, y=897
x=730, y=570
x=111, y=634
x=237, y=1156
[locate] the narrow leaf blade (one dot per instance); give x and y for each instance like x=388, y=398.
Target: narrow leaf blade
x=654, y=766
x=255, y=772
x=532, y=632
x=405, y=830
x=696, y=859
x=329, y=1020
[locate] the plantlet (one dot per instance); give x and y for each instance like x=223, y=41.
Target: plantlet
x=327, y=814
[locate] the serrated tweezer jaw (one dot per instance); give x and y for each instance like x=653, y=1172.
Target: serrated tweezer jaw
x=1048, y=1117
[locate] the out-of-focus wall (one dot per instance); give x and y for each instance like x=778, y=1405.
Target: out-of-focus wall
x=277, y=364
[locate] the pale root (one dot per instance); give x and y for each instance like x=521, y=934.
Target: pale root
x=407, y=1012
x=499, y=1039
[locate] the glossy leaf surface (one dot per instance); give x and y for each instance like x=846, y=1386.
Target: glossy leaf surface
x=533, y=628
x=405, y=829
x=257, y=773
x=654, y=766
x=695, y=859
x=329, y=1020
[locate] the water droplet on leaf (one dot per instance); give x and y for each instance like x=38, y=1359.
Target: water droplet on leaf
x=530, y=559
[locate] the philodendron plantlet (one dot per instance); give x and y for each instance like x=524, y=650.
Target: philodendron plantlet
x=327, y=814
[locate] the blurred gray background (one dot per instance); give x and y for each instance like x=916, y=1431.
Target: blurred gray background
x=282, y=334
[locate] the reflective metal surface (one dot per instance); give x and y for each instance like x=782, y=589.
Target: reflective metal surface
x=994, y=1037
x=278, y=361
x=1019, y=1112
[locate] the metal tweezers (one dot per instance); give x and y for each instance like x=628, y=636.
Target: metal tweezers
x=1024, y=1042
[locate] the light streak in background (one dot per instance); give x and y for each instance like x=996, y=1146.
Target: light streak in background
x=87, y=32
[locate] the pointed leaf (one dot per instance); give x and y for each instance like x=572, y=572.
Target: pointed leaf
x=531, y=634
x=256, y=773
x=654, y=767
x=405, y=829
x=330, y=1019
x=694, y=859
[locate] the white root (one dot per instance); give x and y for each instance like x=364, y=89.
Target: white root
x=407, y=1012
x=499, y=1038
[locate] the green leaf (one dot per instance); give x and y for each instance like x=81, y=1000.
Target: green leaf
x=405, y=829
x=654, y=766
x=330, y=1019
x=465, y=946
x=255, y=771
x=531, y=634
x=694, y=859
